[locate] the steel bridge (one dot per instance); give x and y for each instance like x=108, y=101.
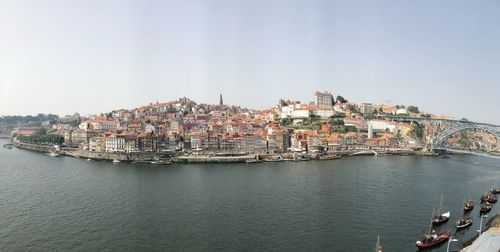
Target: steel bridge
x=454, y=127
x=457, y=126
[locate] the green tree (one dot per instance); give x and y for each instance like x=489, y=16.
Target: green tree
x=41, y=131
x=412, y=109
x=341, y=99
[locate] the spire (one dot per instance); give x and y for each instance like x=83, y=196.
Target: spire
x=220, y=100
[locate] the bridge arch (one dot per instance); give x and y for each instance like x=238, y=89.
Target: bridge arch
x=460, y=126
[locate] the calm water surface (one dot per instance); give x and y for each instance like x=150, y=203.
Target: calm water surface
x=63, y=204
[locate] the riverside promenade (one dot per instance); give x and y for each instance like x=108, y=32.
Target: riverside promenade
x=489, y=240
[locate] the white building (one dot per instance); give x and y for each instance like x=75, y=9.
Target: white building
x=115, y=144
x=380, y=125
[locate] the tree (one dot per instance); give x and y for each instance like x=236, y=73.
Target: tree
x=320, y=148
x=341, y=99
x=337, y=122
x=41, y=131
x=412, y=109
x=286, y=121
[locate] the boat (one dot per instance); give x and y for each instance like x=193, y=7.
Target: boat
x=274, y=159
x=160, y=162
x=88, y=159
x=116, y=161
x=468, y=205
x=485, y=207
x=440, y=217
x=445, y=156
x=378, y=246
x=464, y=222
x=332, y=157
x=53, y=154
x=495, y=190
x=253, y=161
x=431, y=238
x=488, y=197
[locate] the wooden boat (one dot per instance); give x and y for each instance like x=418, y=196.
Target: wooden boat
x=485, y=207
x=495, y=190
x=53, y=154
x=464, y=222
x=468, y=204
x=440, y=217
x=332, y=157
x=431, y=238
x=489, y=197
x=160, y=162
x=253, y=161
x=274, y=159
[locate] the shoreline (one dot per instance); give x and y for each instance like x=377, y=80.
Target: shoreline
x=492, y=225
x=210, y=158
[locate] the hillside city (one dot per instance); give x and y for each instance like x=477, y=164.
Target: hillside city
x=184, y=127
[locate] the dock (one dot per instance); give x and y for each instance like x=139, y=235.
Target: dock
x=489, y=240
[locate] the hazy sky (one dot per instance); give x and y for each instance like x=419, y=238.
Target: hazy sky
x=66, y=56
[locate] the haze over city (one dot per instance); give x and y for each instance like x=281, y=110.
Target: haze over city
x=96, y=56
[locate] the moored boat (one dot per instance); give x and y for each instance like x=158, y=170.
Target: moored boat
x=253, y=161
x=468, y=205
x=332, y=157
x=274, y=159
x=432, y=239
x=53, y=154
x=160, y=162
x=116, y=161
x=489, y=197
x=485, y=207
x=440, y=217
x=464, y=222
x=495, y=190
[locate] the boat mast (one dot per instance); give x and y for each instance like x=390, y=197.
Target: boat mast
x=430, y=225
x=462, y=209
x=377, y=246
x=440, y=203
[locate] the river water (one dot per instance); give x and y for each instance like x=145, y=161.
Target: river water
x=62, y=204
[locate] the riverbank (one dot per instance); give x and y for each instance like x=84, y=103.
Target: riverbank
x=488, y=241
x=212, y=158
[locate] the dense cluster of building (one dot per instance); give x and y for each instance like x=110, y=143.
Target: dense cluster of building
x=185, y=126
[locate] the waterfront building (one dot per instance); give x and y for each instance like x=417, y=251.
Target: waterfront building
x=97, y=144
x=382, y=125
x=115, y=144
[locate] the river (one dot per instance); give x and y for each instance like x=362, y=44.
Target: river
x=62, y=203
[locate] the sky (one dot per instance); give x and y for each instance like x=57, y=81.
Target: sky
x=93, y=56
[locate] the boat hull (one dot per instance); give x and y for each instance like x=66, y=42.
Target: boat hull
x=467, y=223
x=442, y=237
